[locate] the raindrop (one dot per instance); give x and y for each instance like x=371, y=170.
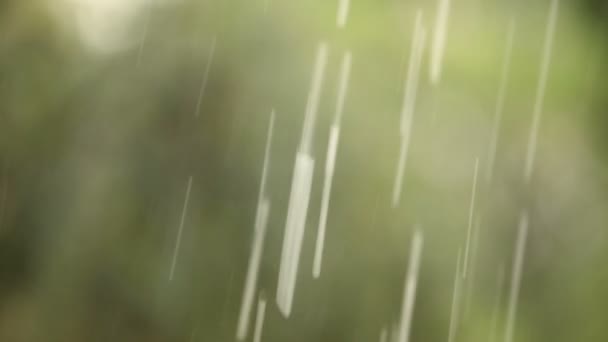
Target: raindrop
x=261, y=222
x=332, y=148
x=470, y=223
x=409, y=291
x=180, y=230
x=205, y=78
x=409, y=100
x=540, y=92
x=518, y=262
x=500, y=101
x=300, y=191
x=343, y=6
x=439, y=39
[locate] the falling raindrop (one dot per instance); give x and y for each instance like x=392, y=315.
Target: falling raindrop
x=332, y=149
x=500, y=101
x=409, y=100
x=518, y=263
x=470, y=222
x=300, y=191
x=439, y=40
x=409, y=291
x=205, y=78
x=178, y=240
x=343, y=6
x=540, y=91
x=261, y=222
x=259, y=319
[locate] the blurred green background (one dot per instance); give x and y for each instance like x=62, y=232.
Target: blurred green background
x=99, y=134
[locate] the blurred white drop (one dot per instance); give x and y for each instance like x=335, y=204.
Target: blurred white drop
x=517, y=268
x=500, y=100
x=409, y=101
x=178, y=240
x=343, y=6
x=439, y=40
x=300, y=191
x=259, y=319
x=470, y=221
x=330, y=161
x=261, y=222
x=409, y=291
x=540, y=90
x=205, y=78
x=103, y=24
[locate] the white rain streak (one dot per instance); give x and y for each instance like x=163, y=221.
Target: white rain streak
x=261, y=222
x=409, y=292
x=470, y=224
x=205, y=79
x=300, y=192
x=178, y=241
x=294, y=230
x=262, y=191
x=330, y=162
x=312, y=105
x=518, y=262
x=454, y=315
x=343, y=85
x=259, y=319
x=409, y=101
x=500, y=100
x=540, y=92
x=343, y=6
x=439, y=40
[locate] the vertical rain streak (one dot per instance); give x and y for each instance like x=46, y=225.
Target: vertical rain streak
x=470, y=221
x=500, y=100
x=260, y=227
x=262, y=191
x=439, y=40
x=253, y=270
x=332, y=150
x=517, y=268
x=259, y=319
x=409, y=101
x=342, y=15
x=205, y=78
x=294, y=231
x=343, y=84
x=409, y=291
x=300, y=191
x=540, y=90
x=312, y=105
x=178, y=240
